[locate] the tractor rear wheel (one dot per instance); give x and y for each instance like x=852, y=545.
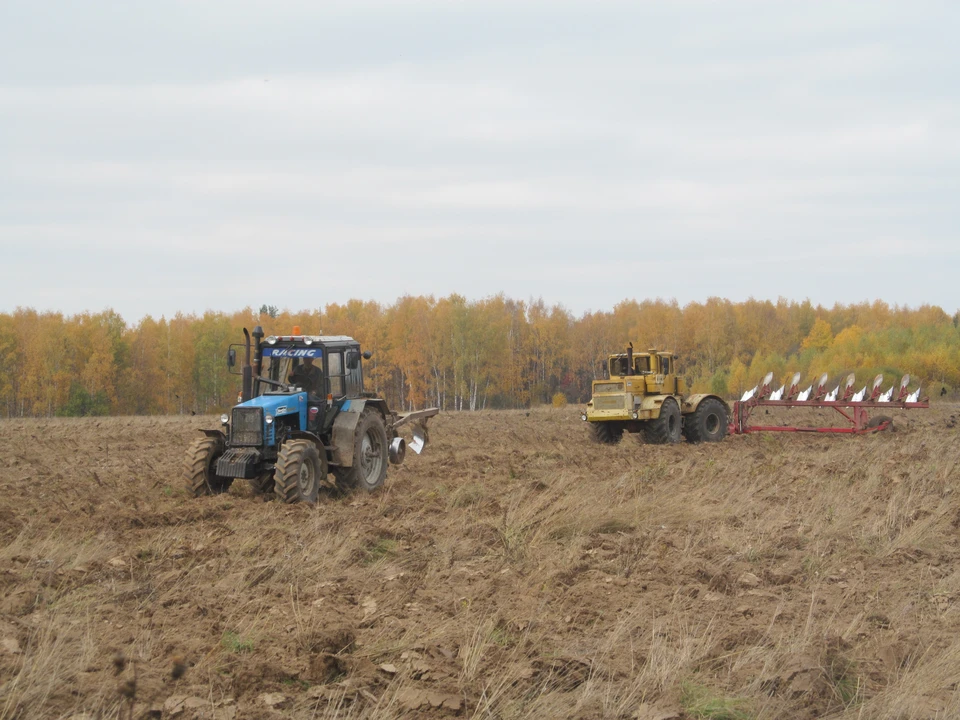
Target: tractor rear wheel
x=300, y=470
x=607, y=433
x=666, y=428
x=200, y=468
x=708, y=423
x=369, y=455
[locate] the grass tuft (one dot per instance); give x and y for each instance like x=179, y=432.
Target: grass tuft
x=702, y=703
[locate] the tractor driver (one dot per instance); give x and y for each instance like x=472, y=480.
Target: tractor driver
x=306, y=375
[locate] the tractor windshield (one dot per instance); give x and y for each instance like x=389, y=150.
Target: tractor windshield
x=279, y=368
x=276, y=369
x=619, y=365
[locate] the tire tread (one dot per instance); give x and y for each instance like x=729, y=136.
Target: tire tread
x=657, y=432
x=607, y=433
x=286, y=477
x=198, y=470
x=347, y=478
x=694, y=429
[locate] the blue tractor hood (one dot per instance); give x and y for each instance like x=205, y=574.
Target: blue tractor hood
x=281, y=404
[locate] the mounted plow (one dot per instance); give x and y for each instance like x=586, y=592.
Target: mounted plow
x=852, y=406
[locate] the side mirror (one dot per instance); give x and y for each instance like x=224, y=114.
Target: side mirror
x=231, y=357
x=353, y=359
x=367, y=354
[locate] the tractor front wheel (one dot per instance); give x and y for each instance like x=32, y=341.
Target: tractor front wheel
x=200, y=468
x=666, y=428
x=262, y=483
x=369, y=455
x=299, y=472
x=708, y=423
x=607, y=433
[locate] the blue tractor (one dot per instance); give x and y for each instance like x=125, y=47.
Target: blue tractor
x=303, y=415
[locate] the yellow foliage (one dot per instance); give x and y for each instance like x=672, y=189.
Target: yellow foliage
x=820, y=337
x=465, y=354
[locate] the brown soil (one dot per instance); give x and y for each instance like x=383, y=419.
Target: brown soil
x=515, y=570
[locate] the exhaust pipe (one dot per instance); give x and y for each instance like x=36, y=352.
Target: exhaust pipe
x=630, y=358
x=246, y=392
x=257, y=351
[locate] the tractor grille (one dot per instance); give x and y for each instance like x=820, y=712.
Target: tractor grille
x=247, y=428
x=608, y=387
x=608, y=402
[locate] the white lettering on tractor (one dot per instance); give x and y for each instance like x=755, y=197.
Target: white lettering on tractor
x=293, y=352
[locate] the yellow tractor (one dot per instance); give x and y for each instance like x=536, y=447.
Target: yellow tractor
x=644, y=395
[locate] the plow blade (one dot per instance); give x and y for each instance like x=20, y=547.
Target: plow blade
x=849, y=404
x=418, y=426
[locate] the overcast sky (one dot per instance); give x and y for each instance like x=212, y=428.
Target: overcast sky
x=167, y=156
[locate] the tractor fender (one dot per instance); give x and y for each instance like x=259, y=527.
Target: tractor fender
x=650, y=406
x=217, y=434
x=302, y=435
x=343, y=431
x=692, y=402
x=345, y=428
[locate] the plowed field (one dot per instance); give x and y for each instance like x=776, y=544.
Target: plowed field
x=514, y=570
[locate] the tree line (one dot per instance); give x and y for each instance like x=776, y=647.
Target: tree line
x=462, y=354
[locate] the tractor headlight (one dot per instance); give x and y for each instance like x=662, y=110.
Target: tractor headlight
x=307, y=341
x=272, y=340
x=583, y=416
x=635, y=416
x=224, y=419
x=268, y=419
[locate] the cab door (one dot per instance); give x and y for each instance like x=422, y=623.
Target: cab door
x=333, y=381
x=666, y=370
x=354, y=375
x=336, y=382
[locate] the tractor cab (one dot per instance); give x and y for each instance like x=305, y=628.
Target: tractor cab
x=620, y=365
x=336, y=359
x=653, y=370
x=300, y=382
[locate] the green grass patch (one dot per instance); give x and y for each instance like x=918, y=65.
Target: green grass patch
x=382, y=548
x=703, y=703
x=236, y=643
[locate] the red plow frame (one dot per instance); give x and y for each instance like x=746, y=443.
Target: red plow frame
x=851, y=406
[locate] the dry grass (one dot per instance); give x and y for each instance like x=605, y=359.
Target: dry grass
x=515, y=570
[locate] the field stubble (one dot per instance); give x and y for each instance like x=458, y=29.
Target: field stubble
x=515, y=570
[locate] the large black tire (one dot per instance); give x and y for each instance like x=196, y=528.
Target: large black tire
x=300, y=470
x=262, y=484
x=607, y=433
x=708, y=423
x=666, y=428
x=369, y=455
x=200, y=468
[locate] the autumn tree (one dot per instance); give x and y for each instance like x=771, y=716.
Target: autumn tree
x=820, y=336
x=462, y=354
